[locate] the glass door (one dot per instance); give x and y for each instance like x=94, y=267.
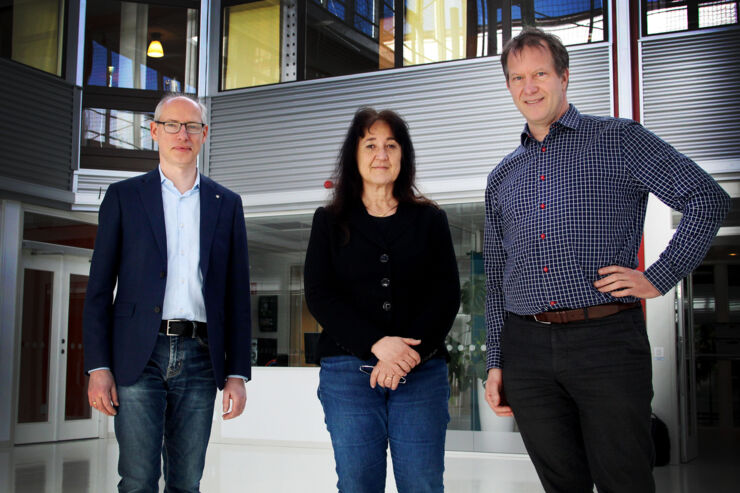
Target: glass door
x=689, y=438
x=52, y=387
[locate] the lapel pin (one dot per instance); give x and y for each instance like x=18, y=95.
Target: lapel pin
x=218, y=196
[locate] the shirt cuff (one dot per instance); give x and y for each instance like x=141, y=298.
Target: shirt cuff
x=96, y=369
x=239, y=376
x=661, y=276
x=493, y=357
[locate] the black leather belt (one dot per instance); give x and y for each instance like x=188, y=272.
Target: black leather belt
x=186, y=328
x=581, y=314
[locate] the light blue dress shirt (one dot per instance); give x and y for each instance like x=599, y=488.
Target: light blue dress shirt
x=183, y=294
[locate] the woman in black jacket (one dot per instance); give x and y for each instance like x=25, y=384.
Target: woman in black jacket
x=381, y=278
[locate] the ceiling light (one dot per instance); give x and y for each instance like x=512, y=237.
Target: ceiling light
x=155, y=49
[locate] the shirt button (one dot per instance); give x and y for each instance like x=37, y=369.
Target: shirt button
x=542, y=236
x=542, y=206
x=385, y=282
x=542, y=177
x=545, y=269
x=544, y=149
x=387, y=306
x=157, y=309
x=384, y=258
x=552, y=303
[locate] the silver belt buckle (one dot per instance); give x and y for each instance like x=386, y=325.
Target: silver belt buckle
x=540, y=321
x=168, y=326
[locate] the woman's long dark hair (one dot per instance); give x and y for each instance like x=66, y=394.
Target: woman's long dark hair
x=347, y=179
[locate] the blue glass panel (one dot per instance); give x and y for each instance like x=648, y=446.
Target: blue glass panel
x=125, y=69
x=99, y=65
x=336, y=8
x=365, y=8
x=364, y=26
x=151, y=79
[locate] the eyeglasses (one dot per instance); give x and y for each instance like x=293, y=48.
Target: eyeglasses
x=174, y=127
x=368, y=369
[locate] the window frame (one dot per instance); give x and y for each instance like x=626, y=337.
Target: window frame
x=399, y=8
x=692, y=21
x=127, y=99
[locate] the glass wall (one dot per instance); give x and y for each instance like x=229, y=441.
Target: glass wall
x=107, y=128
x=33, y=397
x=715, y=286
x=347, y=37
x=32, y=33
x=140, y=46
x=281, y=41
x=662, y=16
x=134, y=53
x=39, y=228
x=284, y=332
x=251, y=45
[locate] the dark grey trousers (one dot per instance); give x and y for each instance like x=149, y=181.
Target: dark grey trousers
x=581, y=395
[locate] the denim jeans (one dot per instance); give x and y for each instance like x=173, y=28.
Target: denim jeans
x=362, y=422
x=581, y=396
x=168, y=411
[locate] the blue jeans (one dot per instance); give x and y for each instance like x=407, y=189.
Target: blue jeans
x=168, y=411
x=362, y=422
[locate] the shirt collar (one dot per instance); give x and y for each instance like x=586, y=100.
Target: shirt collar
x=570, y=119
x=166, y=182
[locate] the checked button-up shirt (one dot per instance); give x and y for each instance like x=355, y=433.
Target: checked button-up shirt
x=559, y=210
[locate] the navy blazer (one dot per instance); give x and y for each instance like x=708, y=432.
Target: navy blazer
x=131, y=252
x=401, y=283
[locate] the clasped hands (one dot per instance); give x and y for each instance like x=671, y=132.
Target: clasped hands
x=396, y=358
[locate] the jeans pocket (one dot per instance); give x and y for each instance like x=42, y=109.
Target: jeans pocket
x=202, y=341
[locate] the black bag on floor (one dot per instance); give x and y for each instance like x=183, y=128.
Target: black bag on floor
x=661, y=441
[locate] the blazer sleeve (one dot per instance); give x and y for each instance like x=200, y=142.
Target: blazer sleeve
x=97, y=319
x=326, y=299
x=238, y=318
x=441, y=291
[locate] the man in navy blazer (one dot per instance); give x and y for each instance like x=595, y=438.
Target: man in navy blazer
x=167, y=311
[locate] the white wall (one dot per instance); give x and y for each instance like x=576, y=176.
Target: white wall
x=281, y=406
x=662, y=327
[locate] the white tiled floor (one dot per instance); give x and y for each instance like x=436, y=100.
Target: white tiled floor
x=89, y=466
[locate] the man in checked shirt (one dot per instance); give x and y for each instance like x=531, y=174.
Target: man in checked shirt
x=568, y=353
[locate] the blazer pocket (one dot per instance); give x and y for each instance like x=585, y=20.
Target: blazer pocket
x=123, y=309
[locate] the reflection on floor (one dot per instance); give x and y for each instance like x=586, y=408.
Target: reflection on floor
x=89, y=466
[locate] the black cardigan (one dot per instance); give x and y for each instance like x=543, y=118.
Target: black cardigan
x=404, y=283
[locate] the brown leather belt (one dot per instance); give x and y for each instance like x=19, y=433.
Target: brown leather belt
x=186, y=328
x=581, y=314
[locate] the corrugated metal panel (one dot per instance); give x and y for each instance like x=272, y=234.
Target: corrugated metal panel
x=36, y=126
x=286, y=137
x=96, y=182
x=691, y=94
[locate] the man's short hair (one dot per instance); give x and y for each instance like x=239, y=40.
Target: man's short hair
x=173, y=95
x=533, y=37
